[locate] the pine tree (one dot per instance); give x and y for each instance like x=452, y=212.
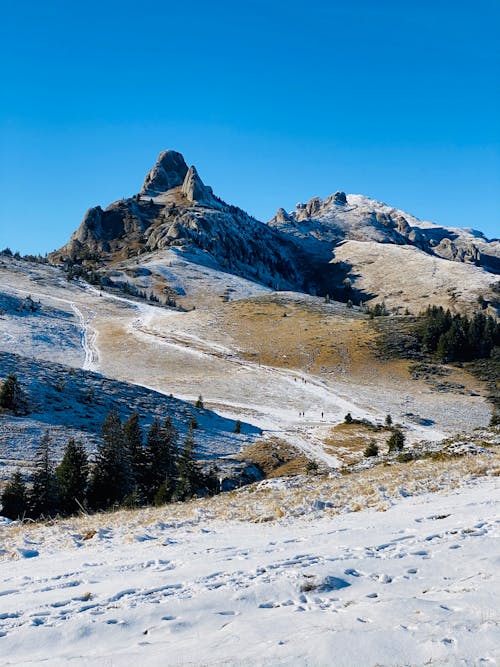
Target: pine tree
x=190, y=477
x=12, y=396
x=161, y=459
x=43, y=498
x=152, y=480
x=111, y=480
x=396, y=441
x=132, y=433
x=72, y=478
x=371, y=449
x=14, y=498
x=168, y=460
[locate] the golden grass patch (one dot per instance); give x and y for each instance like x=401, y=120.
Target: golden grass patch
x=276, y=458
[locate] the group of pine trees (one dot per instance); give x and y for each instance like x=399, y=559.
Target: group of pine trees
x=127, y=470
x=457, y=337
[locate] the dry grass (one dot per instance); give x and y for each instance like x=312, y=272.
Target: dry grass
x=348, y=441
x=276, y=458
x=316, y=338
x=376, y=488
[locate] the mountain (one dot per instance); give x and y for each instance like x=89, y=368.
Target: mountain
x=175, y=209
x=320, y=247
x=345, y=536
x=342, y=217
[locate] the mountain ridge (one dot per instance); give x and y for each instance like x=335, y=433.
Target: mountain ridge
x=294, y=250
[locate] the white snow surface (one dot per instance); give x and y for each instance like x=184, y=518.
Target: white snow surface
x=415, y=585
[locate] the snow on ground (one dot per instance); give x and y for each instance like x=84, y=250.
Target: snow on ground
x=191, y=353
x=70, y=402
x=425, y=280
x=182, y=585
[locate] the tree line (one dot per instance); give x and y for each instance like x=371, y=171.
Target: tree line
x=457, y=337
x=129, y=469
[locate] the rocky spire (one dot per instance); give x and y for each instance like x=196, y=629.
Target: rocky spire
x=194, y=189
x=169, y=172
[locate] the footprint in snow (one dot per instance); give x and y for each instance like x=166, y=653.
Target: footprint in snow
x=227, y=613
x=352, y=572
x=28, y=553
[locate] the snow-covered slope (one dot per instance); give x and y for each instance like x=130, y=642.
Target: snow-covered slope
x=359, y=218
x=188, y=585
x=406, y=277
x=295, y=377
x=73, y=403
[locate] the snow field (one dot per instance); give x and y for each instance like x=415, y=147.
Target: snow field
x=413, y=585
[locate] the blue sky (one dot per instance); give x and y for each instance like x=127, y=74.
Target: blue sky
x=275, y=102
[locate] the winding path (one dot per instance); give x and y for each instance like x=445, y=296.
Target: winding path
x=88, y=335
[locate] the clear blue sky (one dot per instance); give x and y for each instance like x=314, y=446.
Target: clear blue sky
x=274, y=102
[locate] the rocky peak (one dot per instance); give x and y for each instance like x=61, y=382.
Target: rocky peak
x=282, y=216
x=339, y=198
x=194, y=188
x=169, y=172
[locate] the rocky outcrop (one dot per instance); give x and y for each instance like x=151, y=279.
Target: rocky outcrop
x=467, y=252
x=194, y=189
x=175, y=208
x=169, y=172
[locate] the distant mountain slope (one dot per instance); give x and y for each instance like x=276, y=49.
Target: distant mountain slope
x=176, y=210
x=322, y=223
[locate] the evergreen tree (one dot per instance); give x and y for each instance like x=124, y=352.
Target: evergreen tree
x=371, y=449
x=161, y=459
x=396, y=441
x=72, y=477
x=132, y=433
x=170, y=454
x=12, y=396
x=111, y=480
x=14, y=498
x=43, y=498
x=152, y=480
x=190, y=477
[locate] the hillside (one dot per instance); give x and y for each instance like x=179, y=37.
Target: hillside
x=283, y=572
x=292, y=377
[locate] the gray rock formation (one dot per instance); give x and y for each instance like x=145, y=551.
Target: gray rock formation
x=194, y=189
x=169, y=172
